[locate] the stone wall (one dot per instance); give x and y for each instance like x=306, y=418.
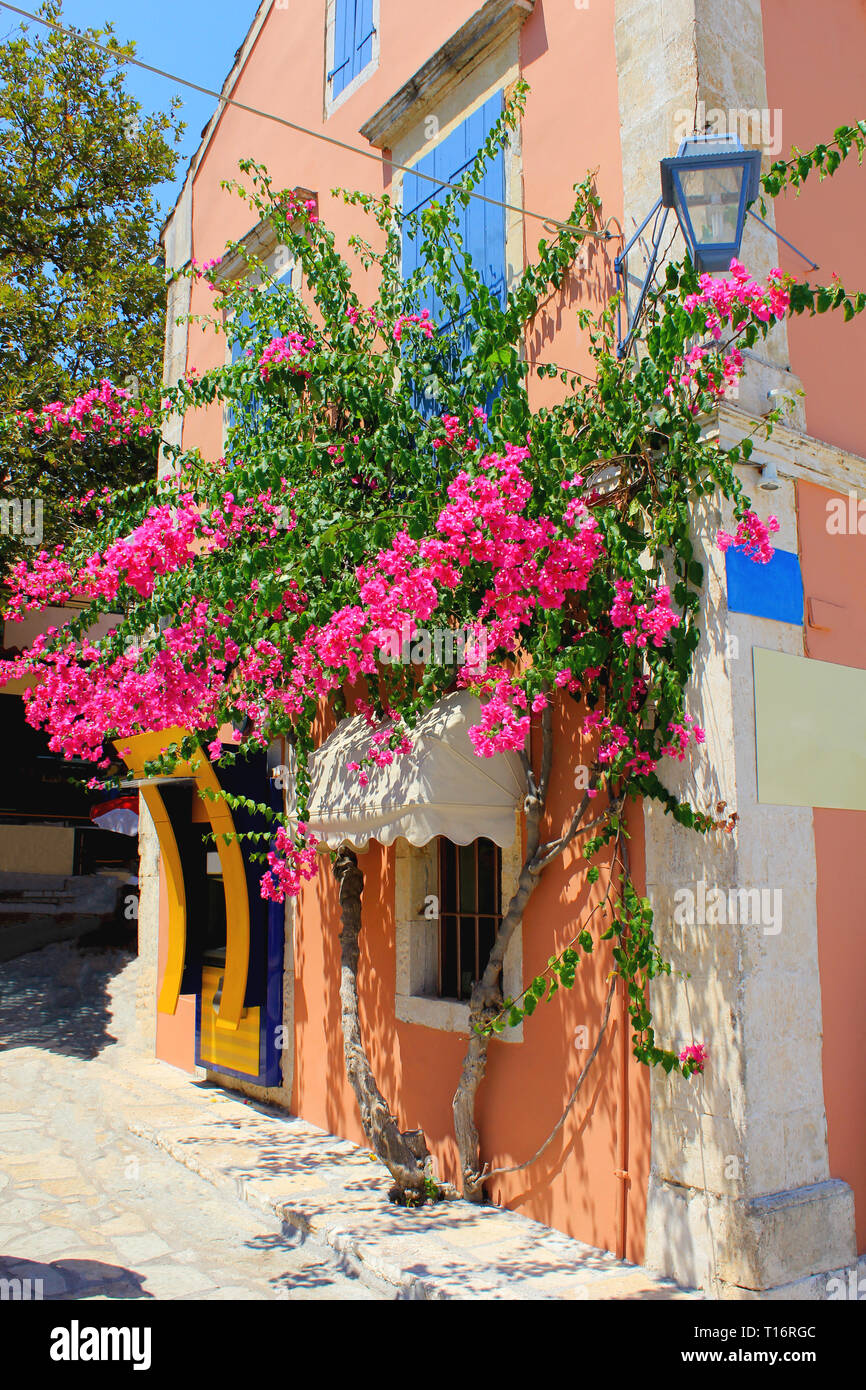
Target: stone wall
x=740, y=1200
x=148, y=930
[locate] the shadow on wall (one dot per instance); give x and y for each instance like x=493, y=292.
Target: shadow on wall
x=590, y=285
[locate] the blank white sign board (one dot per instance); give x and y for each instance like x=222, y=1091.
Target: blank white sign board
x=810, y=728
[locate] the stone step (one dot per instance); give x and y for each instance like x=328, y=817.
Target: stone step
x=21, y=908
x=30, y=895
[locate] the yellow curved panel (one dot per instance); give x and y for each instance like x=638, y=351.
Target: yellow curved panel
x=170, y=990
x=136, y=751
x=139, y=749
x=237, y=901
x=239, y=1050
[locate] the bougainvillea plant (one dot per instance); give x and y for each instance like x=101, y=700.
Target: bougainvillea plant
x=382, y=472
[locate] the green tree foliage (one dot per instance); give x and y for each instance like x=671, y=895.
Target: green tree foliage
x=82, y=289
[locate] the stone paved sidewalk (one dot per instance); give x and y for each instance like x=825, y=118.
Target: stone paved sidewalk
x=87, y=1210
x=332, y=1190
x=331, y=1193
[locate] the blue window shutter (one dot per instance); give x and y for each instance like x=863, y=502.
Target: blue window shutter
x=353, y=42
x=243, y=321
x=481, y=225
x=363, y=34
x=341, y=73
x=251, y=412
x=237, y=352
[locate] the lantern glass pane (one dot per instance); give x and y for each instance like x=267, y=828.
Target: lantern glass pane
x=710, y=198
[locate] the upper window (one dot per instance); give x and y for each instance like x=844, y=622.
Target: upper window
x=351, y=40
x=481, y=225
x=249, y=414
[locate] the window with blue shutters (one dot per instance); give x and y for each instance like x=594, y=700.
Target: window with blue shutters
x=481, y=225
x=249, y=414
x=354, y=31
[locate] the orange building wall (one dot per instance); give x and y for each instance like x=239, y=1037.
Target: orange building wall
x=815, y=74
x=834, y=569
x=571, y=126
x=573, y=1187
x=816, y=60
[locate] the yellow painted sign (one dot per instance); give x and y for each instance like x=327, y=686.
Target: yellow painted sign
x=810, y=731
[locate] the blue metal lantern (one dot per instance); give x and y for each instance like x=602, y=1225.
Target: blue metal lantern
x=709, y=183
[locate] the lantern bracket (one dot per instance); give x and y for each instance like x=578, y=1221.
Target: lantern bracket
x=624, y=343
x=813, y=265
x=710, y=252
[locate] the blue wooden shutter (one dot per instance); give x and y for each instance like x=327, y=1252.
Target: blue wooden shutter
x=243, y=319
x=364, y=32
x=251, y=412
x=481, y=225
x=353, y=42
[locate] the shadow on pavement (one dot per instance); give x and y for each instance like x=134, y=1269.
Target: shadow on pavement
x=30, y=1280
x=58, y=999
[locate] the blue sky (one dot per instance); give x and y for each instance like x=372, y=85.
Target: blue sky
x=196, y=39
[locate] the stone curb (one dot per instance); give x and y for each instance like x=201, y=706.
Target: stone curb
x=343, y=1242
x=374, y=1263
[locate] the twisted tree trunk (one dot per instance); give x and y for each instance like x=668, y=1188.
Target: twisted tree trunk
x=403, y=1153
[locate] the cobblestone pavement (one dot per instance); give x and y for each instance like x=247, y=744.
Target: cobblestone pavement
x=124, y=1177
x=90, y=1209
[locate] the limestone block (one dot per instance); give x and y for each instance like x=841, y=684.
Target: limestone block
x=745, y=1248
x=786, y=1236
x=148, y=928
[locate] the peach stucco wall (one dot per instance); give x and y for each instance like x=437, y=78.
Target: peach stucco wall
x=834, y=569
x=571, y=125
x=573, y=1186
x=815, y=59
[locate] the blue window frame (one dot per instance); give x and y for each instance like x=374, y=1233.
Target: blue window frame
x=353, y=42
x=481, y=225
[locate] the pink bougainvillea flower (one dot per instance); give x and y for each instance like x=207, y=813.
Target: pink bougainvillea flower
x=752, y=537
x=288, y=351
x=697, y=1054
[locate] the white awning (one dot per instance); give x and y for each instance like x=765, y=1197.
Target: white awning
x=441, y=787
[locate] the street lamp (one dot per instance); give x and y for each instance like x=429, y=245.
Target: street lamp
x=709, y=183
